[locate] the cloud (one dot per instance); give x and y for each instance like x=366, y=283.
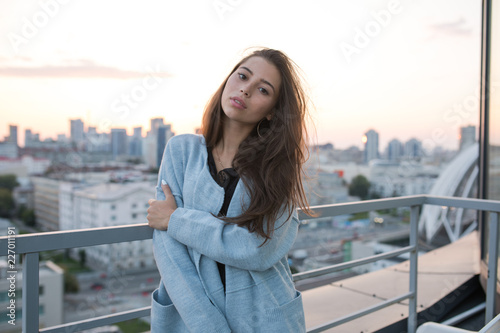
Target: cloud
x=455, y=28
x=81, y=68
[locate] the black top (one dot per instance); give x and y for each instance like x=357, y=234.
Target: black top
x=228, y=179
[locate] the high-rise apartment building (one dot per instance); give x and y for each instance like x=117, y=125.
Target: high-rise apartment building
x=467, y=136
x=164, y=134
x=413, y=149
x=370, y=139
x=137, y=132
x=394, y=150
x=28, y=138
x=155, y=141
x=97, y=142
x=155, y=124
x=13, y=134
x=76, y=130
x=135, y=146
x=119, y=144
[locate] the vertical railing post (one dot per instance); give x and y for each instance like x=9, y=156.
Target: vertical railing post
x=491, y=285
x=30, y=292
x=412, y=310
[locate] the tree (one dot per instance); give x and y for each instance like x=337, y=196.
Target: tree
x=360, y=187
x=6, y=202
x=70, y=283
x=8, y=182
x=20, y=210
x=83, y=257
x=28, y=217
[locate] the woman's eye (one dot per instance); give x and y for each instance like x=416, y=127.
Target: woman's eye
x=242, y=76
x=264, y=91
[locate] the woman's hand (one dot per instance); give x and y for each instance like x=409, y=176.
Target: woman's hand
x=159, y=211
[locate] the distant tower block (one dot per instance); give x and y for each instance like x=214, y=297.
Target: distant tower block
x=467, y=136
x=370, y=139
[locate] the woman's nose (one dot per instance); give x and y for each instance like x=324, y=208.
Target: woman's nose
x=244, y=91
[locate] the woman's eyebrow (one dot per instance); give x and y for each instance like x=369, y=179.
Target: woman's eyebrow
x=262, y=80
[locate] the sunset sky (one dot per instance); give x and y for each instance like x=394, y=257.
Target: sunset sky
x=404, y=68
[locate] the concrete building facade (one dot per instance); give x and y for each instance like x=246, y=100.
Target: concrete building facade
x=46, y=193
x=106, y=205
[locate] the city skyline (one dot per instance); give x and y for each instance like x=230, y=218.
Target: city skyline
x=81, y=130
x=390, y=65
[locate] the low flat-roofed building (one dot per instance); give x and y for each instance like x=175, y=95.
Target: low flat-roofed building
x=50, y=288
x=105, y=205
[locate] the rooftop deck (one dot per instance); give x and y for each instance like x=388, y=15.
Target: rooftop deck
x=441, y=272
x=397, y=294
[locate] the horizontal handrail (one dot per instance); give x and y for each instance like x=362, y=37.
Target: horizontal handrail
x=469, y=203
x=350, y=264
x=407, y=201
x=67, y=239
x=55, y=240
x=363, y=206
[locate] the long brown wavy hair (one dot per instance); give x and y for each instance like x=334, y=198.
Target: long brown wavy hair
x=269, y=161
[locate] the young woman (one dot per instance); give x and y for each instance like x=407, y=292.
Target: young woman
x=225, y=210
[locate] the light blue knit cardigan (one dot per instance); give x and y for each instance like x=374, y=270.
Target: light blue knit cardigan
x=260, y=295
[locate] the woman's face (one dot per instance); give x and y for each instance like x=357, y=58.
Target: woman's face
x=251, y=92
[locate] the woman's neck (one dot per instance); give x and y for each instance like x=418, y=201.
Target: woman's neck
x=232, y=137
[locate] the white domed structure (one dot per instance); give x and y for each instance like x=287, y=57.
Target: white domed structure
x=457, y=180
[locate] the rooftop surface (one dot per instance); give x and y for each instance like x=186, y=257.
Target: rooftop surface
x=442, y=272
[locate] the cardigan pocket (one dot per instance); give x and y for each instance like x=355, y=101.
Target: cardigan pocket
x=164, y=317
x=287, y=318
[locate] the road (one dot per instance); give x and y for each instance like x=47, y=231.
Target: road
x=119, y=292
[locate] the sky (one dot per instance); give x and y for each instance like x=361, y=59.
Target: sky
x=403, y=68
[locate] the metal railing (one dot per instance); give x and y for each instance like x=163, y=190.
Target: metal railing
x=31, y=245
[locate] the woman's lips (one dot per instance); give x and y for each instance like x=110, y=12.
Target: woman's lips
x=238, y=102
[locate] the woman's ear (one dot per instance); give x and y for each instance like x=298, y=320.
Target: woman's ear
x=271, y=114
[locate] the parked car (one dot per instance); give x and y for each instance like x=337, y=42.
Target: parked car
x=97, y=286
